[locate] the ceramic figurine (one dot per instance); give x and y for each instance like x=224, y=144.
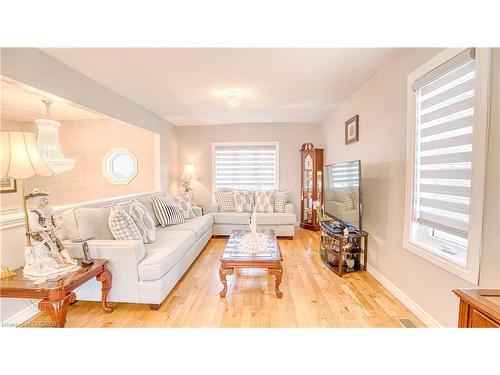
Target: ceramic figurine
x=254, y=237
x=48, y=257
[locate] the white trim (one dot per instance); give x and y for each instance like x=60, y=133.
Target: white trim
x=17, y=219
x=275, y=144
x=20, y=317
x=106, y=167
x=411, y=305
x=480, y=134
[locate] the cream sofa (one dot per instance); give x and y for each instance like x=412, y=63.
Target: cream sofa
x=282, y=223
x=142, y=273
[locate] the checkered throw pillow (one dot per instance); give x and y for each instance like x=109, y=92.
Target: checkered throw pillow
x=166, y=211
x=225, y=200
x=121, y=225
x=280, y=199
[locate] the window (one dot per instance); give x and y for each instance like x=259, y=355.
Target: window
x=245, y=165
x=447, y=128
x=119, y=166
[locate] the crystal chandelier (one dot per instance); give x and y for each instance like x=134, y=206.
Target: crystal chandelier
x=49, y=146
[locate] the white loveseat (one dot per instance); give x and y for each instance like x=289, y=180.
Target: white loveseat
x=142, y=273
x=282, y=223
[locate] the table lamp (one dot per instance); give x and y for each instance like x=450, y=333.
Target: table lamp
x=21, y=159
x=188, y=175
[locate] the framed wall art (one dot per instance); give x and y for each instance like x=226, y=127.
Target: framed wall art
x=8, y=185
x=352, y=130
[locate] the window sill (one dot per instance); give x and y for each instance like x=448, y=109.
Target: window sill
x=448, y=263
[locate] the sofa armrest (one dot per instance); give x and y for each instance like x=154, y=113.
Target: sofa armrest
x=289, y=209
x=213, y=207
x=123, y=255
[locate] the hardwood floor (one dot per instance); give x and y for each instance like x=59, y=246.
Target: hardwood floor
x=313, y=296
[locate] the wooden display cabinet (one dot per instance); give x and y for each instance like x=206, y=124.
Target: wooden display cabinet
x=311, y=161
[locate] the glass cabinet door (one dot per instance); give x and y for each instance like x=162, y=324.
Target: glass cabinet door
x=308, y=188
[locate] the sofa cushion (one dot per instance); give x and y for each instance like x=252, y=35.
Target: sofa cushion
x=230, y=217
x=280, y=199
x=122, y=226
x=275, y=218
x=82, y=224
x=164, y=253
x=143, y=220
x=225, y=200
x=146, y=201
x=264, y=201
x=198, y=225
x=166, y=211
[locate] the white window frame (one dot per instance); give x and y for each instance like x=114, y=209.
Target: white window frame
x=470, y=271
x=232, y=144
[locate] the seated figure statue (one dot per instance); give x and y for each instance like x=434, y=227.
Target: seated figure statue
x=50, y=257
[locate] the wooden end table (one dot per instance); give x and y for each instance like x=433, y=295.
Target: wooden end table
x=269, y=259
x=57, y=295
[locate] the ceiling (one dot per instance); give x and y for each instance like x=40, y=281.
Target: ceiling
x=181, y=84
x=22, y=103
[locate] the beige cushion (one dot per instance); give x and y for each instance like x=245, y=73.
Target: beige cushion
x=164, y=253
x=280, y=199
x=264, y=201
x=146, y=201
x=122, y=226
x=243, y=200
x=231, y=217
x=277, y=218
x=225, y=200
x=198, y=225
x=82, y=224
x=143, y=220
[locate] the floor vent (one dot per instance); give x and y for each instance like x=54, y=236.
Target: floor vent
x=406, y=323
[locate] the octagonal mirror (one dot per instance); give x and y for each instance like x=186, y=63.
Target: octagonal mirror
x=119, y=166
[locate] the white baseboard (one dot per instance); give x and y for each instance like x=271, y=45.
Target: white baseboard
x=21, y=317
x=423, y=315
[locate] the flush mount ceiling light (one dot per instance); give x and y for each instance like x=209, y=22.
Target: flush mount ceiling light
x=49, y=146
x=233, y=97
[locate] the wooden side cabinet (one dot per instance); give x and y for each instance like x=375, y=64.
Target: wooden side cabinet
x=311, y=185
x=479, y=308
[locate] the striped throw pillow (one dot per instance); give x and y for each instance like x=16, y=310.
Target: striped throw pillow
x=280, y=199
x=166, y=211
x=121, y=225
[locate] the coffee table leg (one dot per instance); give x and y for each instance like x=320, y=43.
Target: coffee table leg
x=57, y=309
x=278, y=273
x=105, y=278
x=222, y=274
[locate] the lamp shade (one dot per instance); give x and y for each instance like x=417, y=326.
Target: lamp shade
x=189, y=172
x=21, y=157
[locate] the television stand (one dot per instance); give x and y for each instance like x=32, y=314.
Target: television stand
x=343, y=254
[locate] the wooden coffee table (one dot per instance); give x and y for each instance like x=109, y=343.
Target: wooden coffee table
x=233, y=258
x=56, y=295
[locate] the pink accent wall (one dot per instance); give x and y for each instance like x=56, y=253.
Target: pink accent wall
x=87, y=141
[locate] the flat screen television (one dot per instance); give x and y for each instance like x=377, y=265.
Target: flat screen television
x=342, y=191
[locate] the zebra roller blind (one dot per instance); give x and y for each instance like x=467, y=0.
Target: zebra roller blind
x=250, y=167
x=443, y=163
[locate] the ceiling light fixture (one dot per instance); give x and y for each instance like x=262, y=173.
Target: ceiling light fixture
x=49, y=146
x=234, y=97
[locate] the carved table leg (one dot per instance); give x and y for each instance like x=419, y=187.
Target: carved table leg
x=105, y=278
x=278, y=273
x=222, y=274
x=57, y=309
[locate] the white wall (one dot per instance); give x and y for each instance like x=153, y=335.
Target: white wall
x=381, y=106
x=37, y=69
x=196, y=147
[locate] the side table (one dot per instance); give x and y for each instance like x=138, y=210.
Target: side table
x=57, y=295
